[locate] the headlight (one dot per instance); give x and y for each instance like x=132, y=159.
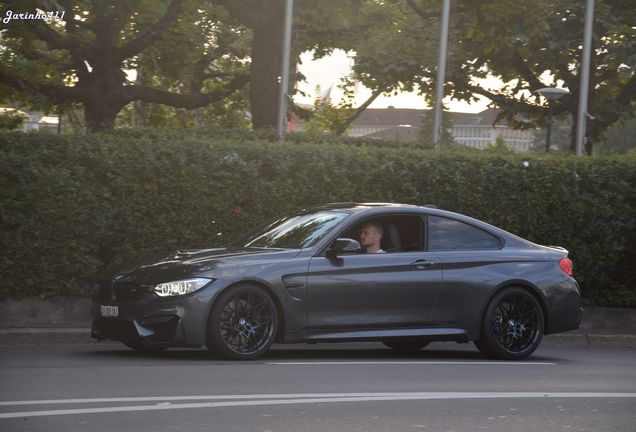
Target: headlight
x=180, y=287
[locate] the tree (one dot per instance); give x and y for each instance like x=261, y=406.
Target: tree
x=525, y=44
x=11, y=119
x=372, y=32
x=521, y=42
x=321, y=26
x=265, y=19
x=83, y=58
x=427, y=126
x=327, y=117
x=618, y=139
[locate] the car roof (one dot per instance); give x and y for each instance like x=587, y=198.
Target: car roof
x=358, y=206
x=430, y=209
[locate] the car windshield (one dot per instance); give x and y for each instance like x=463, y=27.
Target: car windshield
x=297, y=231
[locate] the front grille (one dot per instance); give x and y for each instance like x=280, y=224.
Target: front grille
x=128, y=291
x=121, y=291
x=104, y=292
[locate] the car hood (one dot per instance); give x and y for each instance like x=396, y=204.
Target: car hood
x=197, y=262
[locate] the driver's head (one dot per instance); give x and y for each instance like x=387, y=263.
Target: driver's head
x=370, y=236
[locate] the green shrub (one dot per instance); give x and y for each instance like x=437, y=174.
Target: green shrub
x=73, y=208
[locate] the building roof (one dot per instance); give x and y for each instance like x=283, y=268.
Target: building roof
x=389, y=116
x=487, y=117
x=413, y=117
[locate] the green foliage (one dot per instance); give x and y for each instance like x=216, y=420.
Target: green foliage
x=10, y=120
x=619, y=139
x=499, y=146
x=328, y=118
x=73, y=208
x=527, y=45
x=186, y=54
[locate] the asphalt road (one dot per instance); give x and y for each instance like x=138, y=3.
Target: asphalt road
x=345, y=387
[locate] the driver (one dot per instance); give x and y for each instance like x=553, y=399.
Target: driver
x=370, y=237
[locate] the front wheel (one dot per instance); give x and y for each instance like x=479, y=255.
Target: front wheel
x=242, y=323
x=512, y=326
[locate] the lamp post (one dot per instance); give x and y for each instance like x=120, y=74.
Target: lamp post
x=550, y=93
x=441, y=73
x=284, y=74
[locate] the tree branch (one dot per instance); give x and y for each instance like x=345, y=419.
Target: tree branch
x=187, y=101
x=45, y=33
x=524, y=71
x=253, y=13
x=502, y=100
x=418, y=10
x=626, y=96
x=151, y=35
x=359, y=111
x=58, y=94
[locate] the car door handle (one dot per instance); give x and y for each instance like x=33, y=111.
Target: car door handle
x=422, y=264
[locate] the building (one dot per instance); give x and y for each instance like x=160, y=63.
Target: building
x=481, y=129
x=468, y=129
x=33, y=120
x=374, y=120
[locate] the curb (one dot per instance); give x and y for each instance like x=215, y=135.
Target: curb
x=583, y=339
x=45, y=336
x=51, y=336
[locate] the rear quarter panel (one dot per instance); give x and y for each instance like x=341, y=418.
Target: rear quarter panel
x=471, y=278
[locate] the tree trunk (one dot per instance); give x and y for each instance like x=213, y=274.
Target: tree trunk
x=264, y=74
x=99, y=116
x=104, y=100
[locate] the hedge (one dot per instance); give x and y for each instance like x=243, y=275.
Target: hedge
x=73, y=208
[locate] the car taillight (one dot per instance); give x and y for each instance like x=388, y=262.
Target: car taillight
x=567, y=266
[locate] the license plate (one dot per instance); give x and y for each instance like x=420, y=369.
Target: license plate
x=109, y=311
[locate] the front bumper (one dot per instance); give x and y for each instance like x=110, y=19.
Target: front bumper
x=165, y=330
x=173, y=321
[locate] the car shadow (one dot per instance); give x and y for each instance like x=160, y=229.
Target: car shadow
x=307, y=353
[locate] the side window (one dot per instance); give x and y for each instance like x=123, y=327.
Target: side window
x=400, y=233
x=449, y=234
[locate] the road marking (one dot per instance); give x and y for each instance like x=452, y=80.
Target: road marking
x=357, y=363
x=198, y=397
x=288, y=399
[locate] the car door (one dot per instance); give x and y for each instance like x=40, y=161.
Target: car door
x=472, y=264
x=369, y=291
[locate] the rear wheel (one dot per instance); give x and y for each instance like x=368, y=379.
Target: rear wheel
x=242, y=323
x=512, y=326
x=406, y=347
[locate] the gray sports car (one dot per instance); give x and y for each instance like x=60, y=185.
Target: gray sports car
x=400, y=274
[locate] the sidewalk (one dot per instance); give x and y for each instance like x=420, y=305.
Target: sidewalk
x=34, y=321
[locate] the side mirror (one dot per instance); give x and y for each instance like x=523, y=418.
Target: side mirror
x=343, y=245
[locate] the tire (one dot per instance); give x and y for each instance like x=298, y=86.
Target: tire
x=139, y=345
x=512, y=326
x=405, y=347
x=242, y=324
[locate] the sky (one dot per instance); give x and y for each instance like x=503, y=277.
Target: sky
x=327, y=72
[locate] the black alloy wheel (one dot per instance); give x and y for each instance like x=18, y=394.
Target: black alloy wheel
x=512, y=326
x=242, y=324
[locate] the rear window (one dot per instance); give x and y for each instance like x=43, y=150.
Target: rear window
x=450, y=234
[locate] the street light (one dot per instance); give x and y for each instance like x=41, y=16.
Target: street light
x=550, y=93
x=284, y=71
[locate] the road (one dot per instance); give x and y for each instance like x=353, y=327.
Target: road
x=338, y=387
